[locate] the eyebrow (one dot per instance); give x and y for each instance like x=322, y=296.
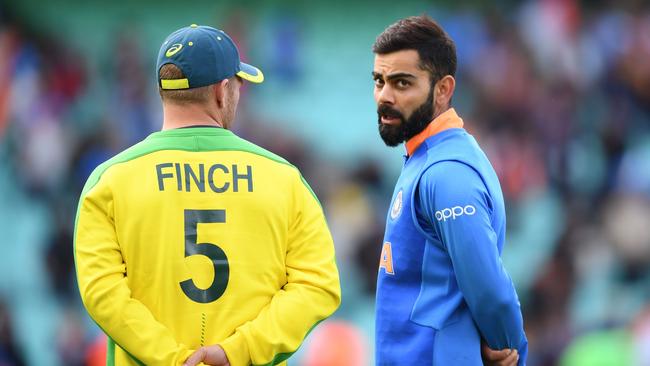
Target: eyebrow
x=397, y=75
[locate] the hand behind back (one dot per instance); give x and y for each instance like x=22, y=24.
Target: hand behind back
x=504, y=357
x=209, y=355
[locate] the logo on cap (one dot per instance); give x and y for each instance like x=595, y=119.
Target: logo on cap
x=174, y=49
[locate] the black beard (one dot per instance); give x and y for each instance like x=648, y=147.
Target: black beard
x=418, y=121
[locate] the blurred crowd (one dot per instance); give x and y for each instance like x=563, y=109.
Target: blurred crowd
x=556, y=92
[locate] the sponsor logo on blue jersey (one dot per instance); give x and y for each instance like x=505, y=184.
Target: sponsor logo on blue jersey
x=454, y=212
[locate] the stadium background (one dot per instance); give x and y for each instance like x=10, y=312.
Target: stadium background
x=556, y=91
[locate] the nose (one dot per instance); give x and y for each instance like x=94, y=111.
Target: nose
x=385, y=95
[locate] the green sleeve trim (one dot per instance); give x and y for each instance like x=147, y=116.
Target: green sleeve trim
x=280, y=357
x=110, y=352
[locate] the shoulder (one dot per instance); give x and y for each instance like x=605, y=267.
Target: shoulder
x=450, y=180
x=131, y=153
x=453, y=144
x=450, y=174
x=291, y=170
x=282, y=169
x=249, y=147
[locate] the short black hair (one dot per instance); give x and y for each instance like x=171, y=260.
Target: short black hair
x=436, y=49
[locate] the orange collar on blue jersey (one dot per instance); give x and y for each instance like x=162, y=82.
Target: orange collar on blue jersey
x=448, y=119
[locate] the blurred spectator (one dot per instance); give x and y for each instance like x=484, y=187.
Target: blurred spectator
x=10, y=354
x=336, y=343
x=70, y=340
x=96, y=353
x=602, y=348
x=132, y=108
x=60, y=261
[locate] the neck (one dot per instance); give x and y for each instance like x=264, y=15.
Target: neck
x=444, y=121
x=185, y=115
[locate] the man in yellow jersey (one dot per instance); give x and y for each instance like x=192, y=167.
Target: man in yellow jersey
x=194, y=245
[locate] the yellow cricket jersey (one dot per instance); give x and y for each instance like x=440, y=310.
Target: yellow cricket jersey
x=196, y=237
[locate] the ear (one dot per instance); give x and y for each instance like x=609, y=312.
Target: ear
x=220, y=92
x=443, y=91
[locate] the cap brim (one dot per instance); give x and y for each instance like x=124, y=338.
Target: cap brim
x=250, y=73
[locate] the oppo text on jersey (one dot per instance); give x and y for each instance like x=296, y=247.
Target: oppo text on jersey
x=452, y=213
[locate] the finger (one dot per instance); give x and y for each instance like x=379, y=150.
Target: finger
x=195, y=358
x=511, y=360
x=496, y=355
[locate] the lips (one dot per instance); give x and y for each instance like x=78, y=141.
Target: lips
x=388, y=115
x=387, y=120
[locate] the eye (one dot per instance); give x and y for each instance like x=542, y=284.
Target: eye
x=379, y=82
x=402, y=83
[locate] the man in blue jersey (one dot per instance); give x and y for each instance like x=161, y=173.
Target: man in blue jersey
x=442, y=290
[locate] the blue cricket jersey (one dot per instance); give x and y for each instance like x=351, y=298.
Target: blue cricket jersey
x=441, y=285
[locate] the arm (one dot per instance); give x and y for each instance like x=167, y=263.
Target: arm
x=444, y=190
x=312, y=292
x=101, y=275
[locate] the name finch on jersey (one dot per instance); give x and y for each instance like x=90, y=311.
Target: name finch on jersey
x=220, y=178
